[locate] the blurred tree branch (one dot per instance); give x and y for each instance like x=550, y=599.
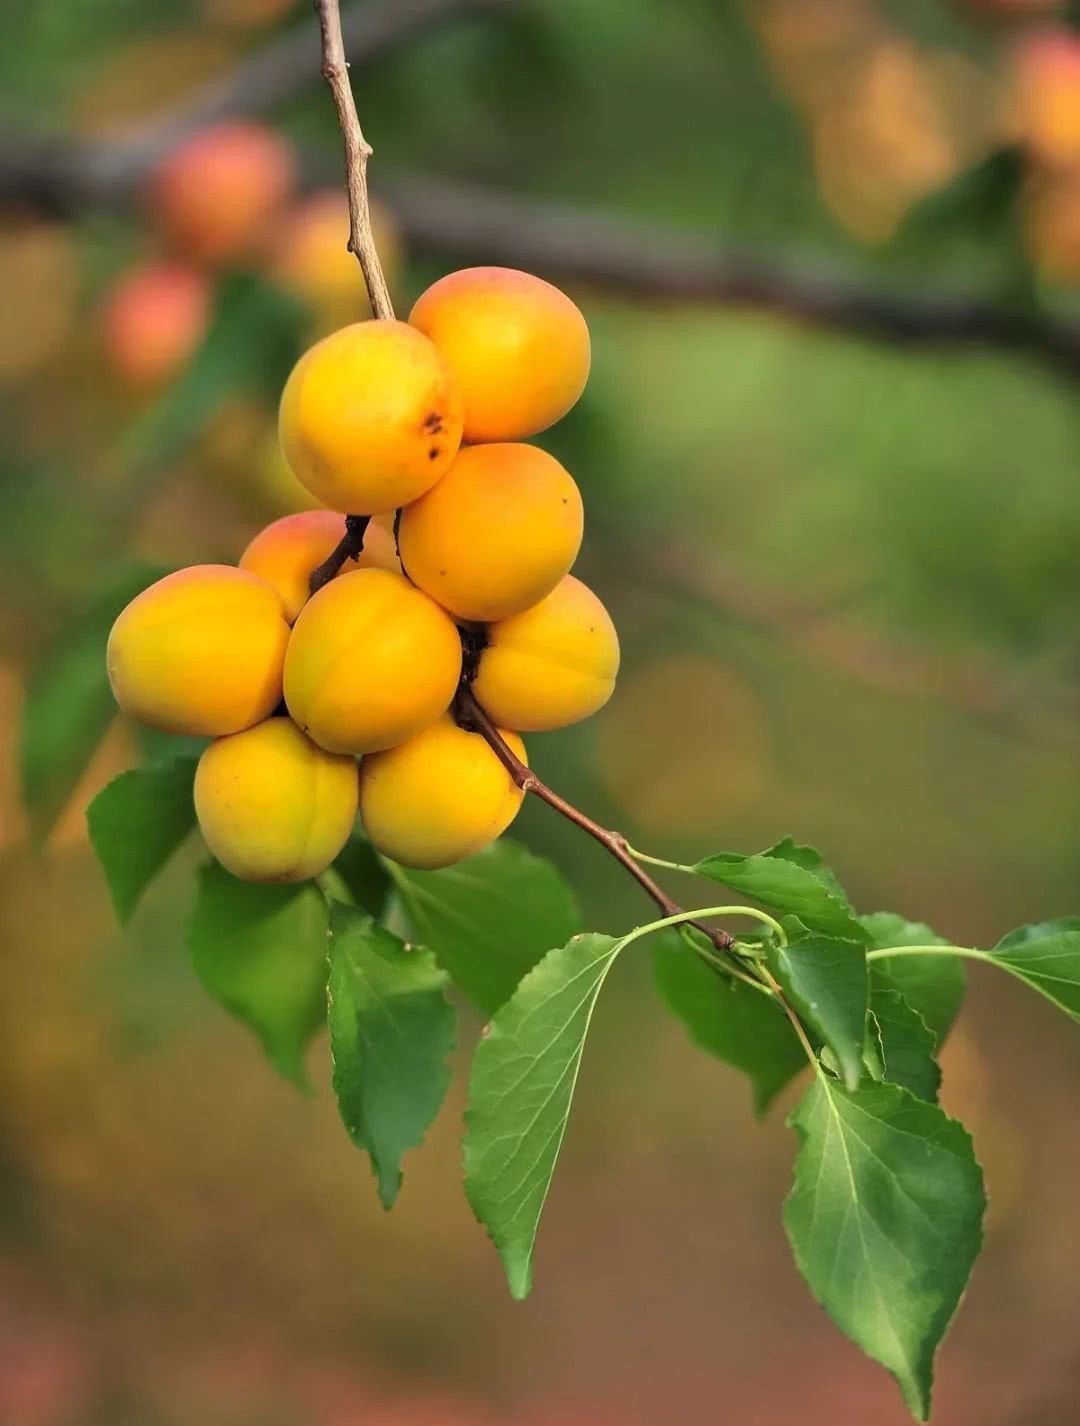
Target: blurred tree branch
x=63, y=177
x=564, y=241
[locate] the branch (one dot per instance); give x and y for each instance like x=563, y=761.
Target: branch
x=335, y=68
x=467, y=710
x=472, y=717
x=567, y=242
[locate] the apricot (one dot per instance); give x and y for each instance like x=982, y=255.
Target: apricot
x=370, y=417
x=152, y=320
x=371, y=662
x=215, y=196
x=441, y=796
x=311, y=257
x=271, y=805
x=518, y=348
x=1047, y=94
x=496, y=534
x=200, y=652
x=286, y=552
x=552, y=665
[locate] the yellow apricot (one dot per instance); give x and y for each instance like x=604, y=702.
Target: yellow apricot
x=552, y=665
x=200, y=652
x=370, y=417
x=371, y=662
x=271, y=805
x=496, y=534
x=518, y=348
x=286, y=552
x=441, y=796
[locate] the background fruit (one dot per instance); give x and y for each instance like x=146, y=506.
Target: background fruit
x=272, y=806
x=518, y=348
x=311, y=257
x=496, y=534
x=286, y=552
x=370, y=417
x=152, y=320
x=200, y=652
x=439, y=797
x=213, y=198
x=371, y=661
x=551, y=665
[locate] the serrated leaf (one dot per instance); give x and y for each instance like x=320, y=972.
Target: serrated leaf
x=136, y=823
x=522, y=1083
x=489, y=919
x=827, y=982
x=1046, y=956
x=69, y=704
x=261, y=952
x=735, y=1023
x=788, y=888
x=810, y=859
x=391, y=1029
x=932, y=985
x=885, y=1221
x=907, y=1044
x=364, y=874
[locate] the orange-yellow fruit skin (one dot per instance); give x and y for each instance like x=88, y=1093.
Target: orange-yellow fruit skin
x=286, y=552
x=518, y=348
x=372, y=661
x=152, y=320
x=215, y=196
x=311, y=257
x=552, y=665
x=370, y=417
x=200, y=652
x=271, y=805
x=496, y=534
x=441, y=796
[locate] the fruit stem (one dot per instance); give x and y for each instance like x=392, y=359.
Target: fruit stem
x=335, y=68
x=471, y=716
x=348, y=547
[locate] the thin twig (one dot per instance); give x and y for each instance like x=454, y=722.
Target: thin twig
x=349, y=547
x=335, y=68
x=470, y=715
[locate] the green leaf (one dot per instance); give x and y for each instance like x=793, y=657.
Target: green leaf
x=907, y=1044
x=490, y=919
x=727, y=1019
x=69, y=703
x=932, y=985
x=136, y=823
x=522, y=1082
x=787, y=887
x=810, y=859
x=1046, y=956
x=261, y=952
x=827, y=982
x=391, y=1029
x=364, y=874
x=885, y=1221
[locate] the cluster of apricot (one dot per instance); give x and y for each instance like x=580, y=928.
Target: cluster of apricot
x=418, y=425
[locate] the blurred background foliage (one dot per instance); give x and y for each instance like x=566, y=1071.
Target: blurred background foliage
x=846, y=571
